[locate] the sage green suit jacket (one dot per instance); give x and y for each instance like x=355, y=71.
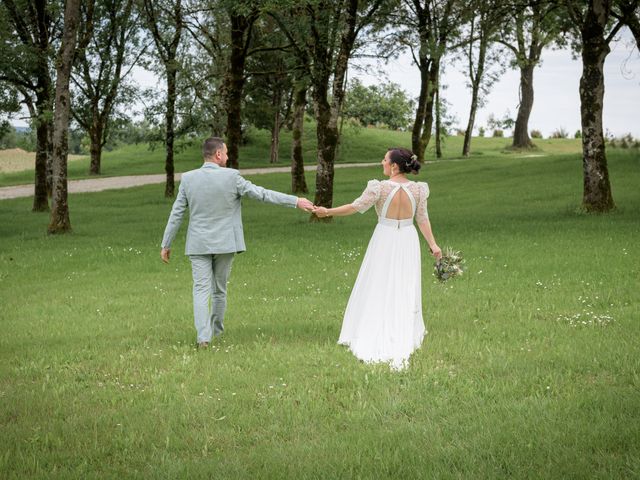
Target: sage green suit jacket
x=212, y=195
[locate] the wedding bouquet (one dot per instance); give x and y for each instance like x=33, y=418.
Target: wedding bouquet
x=450, y=265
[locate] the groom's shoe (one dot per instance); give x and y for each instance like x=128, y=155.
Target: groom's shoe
x=203, y=345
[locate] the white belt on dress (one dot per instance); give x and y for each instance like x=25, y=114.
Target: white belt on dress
x=392, y=222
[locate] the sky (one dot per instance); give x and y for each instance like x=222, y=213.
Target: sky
x=556, y=90
x=556, y=81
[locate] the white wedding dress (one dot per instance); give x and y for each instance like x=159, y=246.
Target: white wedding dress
x=383, y=319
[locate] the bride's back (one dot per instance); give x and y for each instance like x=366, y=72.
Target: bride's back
x=400, y=206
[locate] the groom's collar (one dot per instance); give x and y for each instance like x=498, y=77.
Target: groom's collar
x=210, y=165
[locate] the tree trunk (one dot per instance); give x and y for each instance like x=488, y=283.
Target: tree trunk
x=60, y=222
x=169, y=190
x=475, y=91
x=44, y=106
x=41, y=197
x=95, y=135
x=418, y=123
x=597, y=195
x=438, y=125
x=425, y=138
x=234, y=87
x=521, y=132
x=327, y=134
x=275, y=128
x=298, y=182
x=466, y=147
x=50, y=157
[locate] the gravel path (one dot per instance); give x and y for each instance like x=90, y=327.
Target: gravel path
x=110, y=183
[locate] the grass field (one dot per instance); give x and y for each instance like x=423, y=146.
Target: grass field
x=358, y=145
x=530, y=368
x=17, y=160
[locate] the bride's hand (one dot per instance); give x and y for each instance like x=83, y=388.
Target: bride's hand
x=436, y=252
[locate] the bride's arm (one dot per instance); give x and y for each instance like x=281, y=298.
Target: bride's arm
x=341, y=211
x=425, y=228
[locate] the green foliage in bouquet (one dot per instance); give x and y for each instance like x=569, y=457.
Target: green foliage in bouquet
x=450, y=265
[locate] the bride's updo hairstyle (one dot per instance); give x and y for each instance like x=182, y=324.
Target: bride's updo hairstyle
x=405, y=159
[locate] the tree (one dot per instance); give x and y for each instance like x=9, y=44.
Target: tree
x=386, y=104
x=480, y=57
x=594, y=27
x=9, y=105
x=529, y=28
x=223, y=29
x=60, y=222
x=241, y=20
x=628, y=12
x=298, y=181
x=27, y=30
x=269, y=88
x=301, y=80
x=165, y=21
x=328, y=31
x=430, y=29
x=108, y=48
x=204, y=63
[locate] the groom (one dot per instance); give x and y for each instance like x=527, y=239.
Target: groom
x=212, y=193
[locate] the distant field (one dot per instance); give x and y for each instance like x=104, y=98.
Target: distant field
x=18, y=160
x=360, y=145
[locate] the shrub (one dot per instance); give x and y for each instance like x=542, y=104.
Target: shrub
x=481, y=132
x=626, y=141
x=498, y=133
x=560, y=133
x=536, y=134
x=578, y=134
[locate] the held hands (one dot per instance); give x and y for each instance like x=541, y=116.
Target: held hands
x=321, y=212
x=305, y=204
x=165, y=253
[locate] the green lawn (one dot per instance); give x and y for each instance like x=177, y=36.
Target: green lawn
x=358, y=145
x=530, y=368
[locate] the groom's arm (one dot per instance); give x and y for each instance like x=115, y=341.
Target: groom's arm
x=247, y=189
x=175, y=220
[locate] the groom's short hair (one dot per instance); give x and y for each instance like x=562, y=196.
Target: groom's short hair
x=211, y=146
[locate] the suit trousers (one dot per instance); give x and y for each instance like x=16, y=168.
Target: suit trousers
x=210, y=275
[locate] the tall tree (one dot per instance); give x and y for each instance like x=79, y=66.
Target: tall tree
x=594, y=29
x=480, y=57
x=269, y=81
x=301, y=81
x=204, y=64
x=241, y=30
x=528, y=30
x=628, y=12
x=165, y=21
x=298, y=181
x=109, y=47
x=430, y=29
x=27, y=30
x=328, y=32
x=60, y=222
x=224, y=29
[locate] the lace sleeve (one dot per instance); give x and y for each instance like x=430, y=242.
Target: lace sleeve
x=422, y=215
x=368, y=198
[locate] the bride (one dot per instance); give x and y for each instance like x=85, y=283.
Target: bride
x=383, y=320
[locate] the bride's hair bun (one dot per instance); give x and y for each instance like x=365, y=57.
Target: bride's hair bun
x=405, y=159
